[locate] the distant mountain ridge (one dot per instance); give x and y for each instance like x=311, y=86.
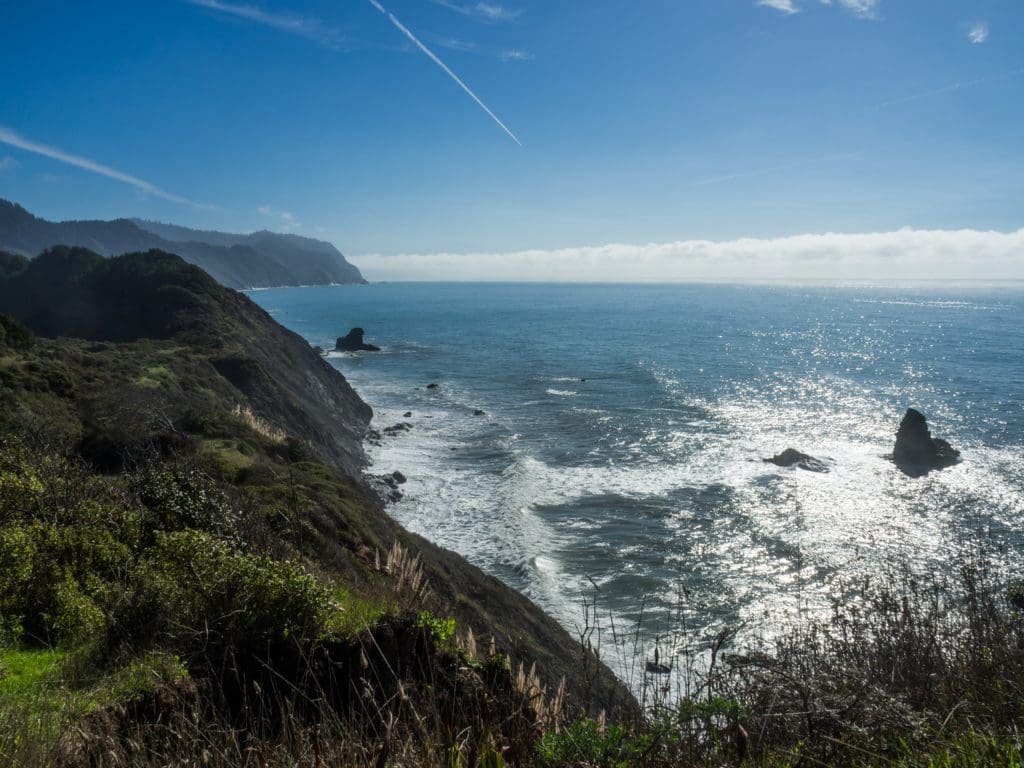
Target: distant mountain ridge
x=258, y=260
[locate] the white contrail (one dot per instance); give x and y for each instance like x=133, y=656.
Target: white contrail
x=433, y=57
x=14, y=140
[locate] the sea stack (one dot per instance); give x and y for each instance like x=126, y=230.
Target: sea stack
x=916, y=452
x=792, y=457
x=353, y=342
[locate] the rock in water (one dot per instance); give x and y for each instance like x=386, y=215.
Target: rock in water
x=792, y=457
x=916, y=452
x=353, y=342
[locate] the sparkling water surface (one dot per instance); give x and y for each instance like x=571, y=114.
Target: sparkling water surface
x=620, y=454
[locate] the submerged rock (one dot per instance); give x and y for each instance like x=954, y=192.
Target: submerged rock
x=479, y=412
x=916, y=452
x=433, y=386
x=407, y=415
x=387, y=486
x=792, y=457
x=353, y=342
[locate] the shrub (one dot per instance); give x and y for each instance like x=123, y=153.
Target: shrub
x=14, y=334
x=17, y=553
x=180, y=496
x=76, y=618
x=590, y=743
x=20, y=486
x=55, y=581
x=442, y=630
x=201, y=595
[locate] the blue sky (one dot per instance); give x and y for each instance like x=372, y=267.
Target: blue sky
x=647, y=122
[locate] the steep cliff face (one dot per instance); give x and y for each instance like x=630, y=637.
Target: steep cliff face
x=257, y=260
x=75, y=292
x=174, y=358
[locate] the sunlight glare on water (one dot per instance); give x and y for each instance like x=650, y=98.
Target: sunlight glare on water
x=624, y=429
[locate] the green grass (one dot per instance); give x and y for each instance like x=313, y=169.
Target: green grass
x=30, y=676
x=228, y=456
x=353, y=613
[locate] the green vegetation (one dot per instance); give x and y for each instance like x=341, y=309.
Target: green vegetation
x=187, y=577
x=166, y=551
x=14, y=335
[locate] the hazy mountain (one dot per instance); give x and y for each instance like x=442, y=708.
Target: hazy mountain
x=257, y=260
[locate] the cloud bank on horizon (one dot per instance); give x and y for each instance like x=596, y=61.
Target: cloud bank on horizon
x=905, y=254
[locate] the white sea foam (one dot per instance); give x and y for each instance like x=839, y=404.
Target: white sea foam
x=798, y=526
x=649, y=480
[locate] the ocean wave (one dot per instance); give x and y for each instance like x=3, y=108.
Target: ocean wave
x=772, y=541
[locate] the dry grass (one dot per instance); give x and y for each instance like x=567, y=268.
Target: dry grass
x=258, y=424
x=908, y=670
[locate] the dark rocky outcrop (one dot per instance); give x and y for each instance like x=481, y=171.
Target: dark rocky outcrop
x=794, y=458
x=353, y=342
x=260, y=259
x=386, y=487
x=916, y=452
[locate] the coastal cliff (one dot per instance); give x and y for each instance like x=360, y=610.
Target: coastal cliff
x=217, y=433
x=256, y=260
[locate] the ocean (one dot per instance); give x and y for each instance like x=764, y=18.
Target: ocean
x=619, y=453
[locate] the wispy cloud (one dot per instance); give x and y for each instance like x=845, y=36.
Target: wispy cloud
x=865, y=9
x=454, y=44
x=516, y=55
x=903, y=254
x=286, y=220
x=489, y=12
x=465, y=46
x=7, y=163
x=433, y=57
x=303, y=26
x=951, y=88
x=12, y=139
x=978, y=33
x=786, y=6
